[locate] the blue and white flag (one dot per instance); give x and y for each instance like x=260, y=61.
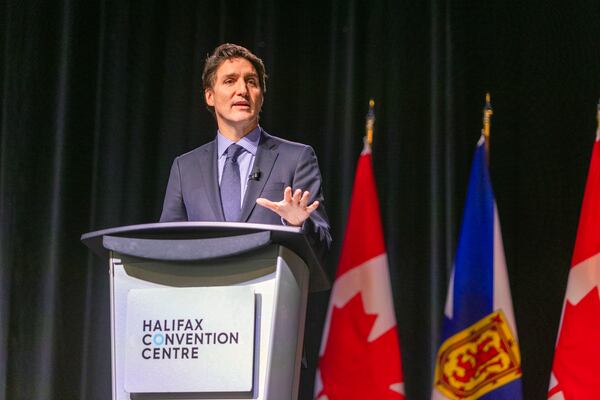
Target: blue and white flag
x=479, y=355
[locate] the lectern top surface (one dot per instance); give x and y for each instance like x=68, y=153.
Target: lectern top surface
x=186, y=227
x=290, y=237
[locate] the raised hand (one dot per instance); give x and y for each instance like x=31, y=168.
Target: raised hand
x=293, y=209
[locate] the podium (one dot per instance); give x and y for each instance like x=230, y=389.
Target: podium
x=207, y=310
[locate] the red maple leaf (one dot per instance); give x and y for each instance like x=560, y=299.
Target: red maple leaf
x=576, y=362
x=352, y=367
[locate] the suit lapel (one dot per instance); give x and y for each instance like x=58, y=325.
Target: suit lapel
x=208, y=170
x=266, y=155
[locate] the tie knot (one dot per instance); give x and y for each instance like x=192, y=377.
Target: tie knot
x=233, y=151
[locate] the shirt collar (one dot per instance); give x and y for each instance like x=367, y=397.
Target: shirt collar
x=248, y=142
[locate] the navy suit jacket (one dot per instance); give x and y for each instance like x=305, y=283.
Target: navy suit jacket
x=193, y=190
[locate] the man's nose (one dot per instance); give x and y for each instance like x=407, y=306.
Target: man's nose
x=241, y=88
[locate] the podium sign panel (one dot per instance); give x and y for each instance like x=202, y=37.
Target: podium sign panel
x=184, y=340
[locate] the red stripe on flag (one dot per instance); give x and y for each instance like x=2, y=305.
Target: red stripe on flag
x=575, y=365
x=577, y=351
x=588, y=234
x=363, y=215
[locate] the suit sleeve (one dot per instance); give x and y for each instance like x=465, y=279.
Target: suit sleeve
x=173, y=205
x=308, y=177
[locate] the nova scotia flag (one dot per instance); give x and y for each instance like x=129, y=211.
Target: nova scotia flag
x=479, y=355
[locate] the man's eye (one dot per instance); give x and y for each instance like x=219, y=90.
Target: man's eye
x=228, y=81
x=251, y=82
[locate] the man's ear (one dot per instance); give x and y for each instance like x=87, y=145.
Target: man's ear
x=209, y=97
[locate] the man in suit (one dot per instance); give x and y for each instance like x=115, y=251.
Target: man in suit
x=245, y=174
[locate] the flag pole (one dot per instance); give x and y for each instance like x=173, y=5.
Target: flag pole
x=487, y=116
x=370, y=123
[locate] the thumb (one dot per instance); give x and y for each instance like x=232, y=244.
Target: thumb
x=261, y=201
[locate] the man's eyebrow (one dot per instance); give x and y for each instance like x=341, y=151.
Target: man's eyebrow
x=231, y=75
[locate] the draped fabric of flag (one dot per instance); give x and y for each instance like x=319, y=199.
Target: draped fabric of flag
x=360, y=352
x=479, y=355
x=576, y=367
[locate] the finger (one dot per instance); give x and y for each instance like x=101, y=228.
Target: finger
x=304, y=199
x=267, y=204
x=287, y=194
x=297, y=196
x=313, y=206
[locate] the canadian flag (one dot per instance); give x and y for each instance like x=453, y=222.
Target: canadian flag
x=360, y=351
x=576, y=366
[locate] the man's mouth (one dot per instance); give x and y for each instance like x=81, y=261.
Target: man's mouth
x=241, y=104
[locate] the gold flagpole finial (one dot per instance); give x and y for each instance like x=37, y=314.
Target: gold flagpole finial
x=598, y=115
x=370, y=123
x=487, y=116
x=598, y=121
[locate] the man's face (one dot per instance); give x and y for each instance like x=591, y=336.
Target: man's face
x=236, y=97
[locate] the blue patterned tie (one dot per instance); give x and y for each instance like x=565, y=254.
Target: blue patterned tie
x=231, y=192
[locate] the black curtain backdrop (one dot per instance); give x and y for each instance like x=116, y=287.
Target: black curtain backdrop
x=98, y=96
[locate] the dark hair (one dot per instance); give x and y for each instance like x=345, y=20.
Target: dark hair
x=228, y=51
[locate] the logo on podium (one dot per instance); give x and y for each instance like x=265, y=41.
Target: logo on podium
x=186, y=340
